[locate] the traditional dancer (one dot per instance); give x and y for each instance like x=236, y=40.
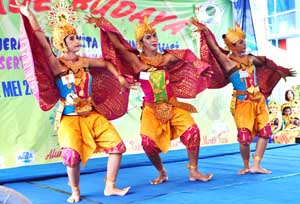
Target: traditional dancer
x=83, y=129
x=163, y=77
x=253, y=80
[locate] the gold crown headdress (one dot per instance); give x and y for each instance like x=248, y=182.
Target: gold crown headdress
x=61, y=18
x=233, y=35
x=273, y=104
x=285, y=105
x=141, y=30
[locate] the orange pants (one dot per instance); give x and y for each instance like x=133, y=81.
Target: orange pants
x=87, y=135
x=163, y=133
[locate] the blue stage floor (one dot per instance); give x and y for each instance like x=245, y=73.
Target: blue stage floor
x=47, y=184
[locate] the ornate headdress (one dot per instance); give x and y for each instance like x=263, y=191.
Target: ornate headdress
x=61, y=18
x=273, y=104
x=233, y=35
x=141, y=30
x=285, y=105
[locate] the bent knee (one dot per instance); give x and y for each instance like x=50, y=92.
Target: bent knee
x=244, y=136
x=265, y=132
x=191, y=137
x=71, y=158
x=149, y=146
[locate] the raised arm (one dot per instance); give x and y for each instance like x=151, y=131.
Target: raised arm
x=130, y=57
x=35, y=25
x=38, y=33
x=226, y=63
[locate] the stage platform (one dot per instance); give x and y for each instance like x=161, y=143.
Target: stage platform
x=47, y=184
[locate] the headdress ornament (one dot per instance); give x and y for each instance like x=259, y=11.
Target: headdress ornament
x=295, y=103
x=233, y=35
x=61, y=17
x=273, y=104
x=285, y=105
x=141, y=30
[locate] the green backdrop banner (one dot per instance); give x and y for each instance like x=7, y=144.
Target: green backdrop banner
x=27, y=136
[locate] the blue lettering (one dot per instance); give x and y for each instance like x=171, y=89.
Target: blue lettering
x=13, y=44
x=88, y=40
x=9, y=44
x=94, y=44
x=27, y=89
x=6, y=43
x=11, y=88
x=7, y=89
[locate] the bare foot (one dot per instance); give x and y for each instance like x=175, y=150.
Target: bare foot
x=75, y=197
x=259, y=170
x=197, y=176
x=109, y=191
x=160, y=179
x=243, y=171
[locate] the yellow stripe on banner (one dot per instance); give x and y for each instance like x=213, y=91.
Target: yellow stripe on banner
x=99, y=4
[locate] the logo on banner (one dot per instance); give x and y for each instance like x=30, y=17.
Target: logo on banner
x=209, y=12
x=24, y=158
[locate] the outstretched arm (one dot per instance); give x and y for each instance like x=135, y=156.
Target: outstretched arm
x=37, y=32
x=263, y=61
x=100, y=63
x=128, y=56
x=223, y=59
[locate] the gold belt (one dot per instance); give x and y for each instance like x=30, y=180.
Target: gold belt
x=163, y=111
x=253, y=93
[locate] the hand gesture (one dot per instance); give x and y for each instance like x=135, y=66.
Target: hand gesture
x=127, y=84
x=90, y=19
x=200, y=26
x=23, y=9
x=292, y=72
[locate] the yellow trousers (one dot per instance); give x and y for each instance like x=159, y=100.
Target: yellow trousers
x=251, y=115
x=87, y=135
x=163, y=133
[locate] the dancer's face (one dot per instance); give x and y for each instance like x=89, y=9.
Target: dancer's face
x=240, y=46
x=73, y=43
x=150, y=42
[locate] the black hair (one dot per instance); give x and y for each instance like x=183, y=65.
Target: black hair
x=286, y=94
x=285, y=108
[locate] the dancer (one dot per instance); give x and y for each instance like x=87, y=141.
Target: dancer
x=275, y=117
x=253, y=79
x=83, y=130
x=163, y=77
